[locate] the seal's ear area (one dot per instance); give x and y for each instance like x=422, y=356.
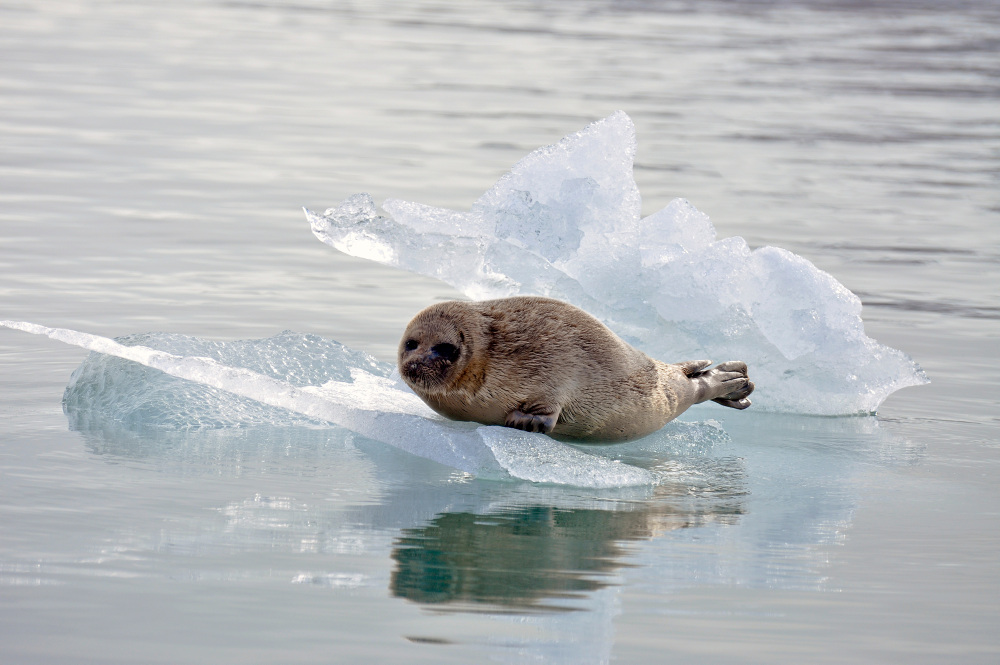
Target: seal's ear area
x=692, y=367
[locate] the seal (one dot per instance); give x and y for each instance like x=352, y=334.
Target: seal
x=543, y=365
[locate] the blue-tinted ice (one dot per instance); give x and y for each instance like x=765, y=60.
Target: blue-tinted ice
x=297, y=379
x=566, y=223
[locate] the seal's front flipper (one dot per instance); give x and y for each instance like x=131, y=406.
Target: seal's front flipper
x=534, y=418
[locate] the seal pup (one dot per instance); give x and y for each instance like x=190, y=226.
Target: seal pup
x=542, y=365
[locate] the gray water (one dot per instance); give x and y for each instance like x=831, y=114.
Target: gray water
x=153, y=167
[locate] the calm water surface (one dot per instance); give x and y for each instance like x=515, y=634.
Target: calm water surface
x=155, y=159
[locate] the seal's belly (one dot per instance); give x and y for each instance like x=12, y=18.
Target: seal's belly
x=487, y=414
x=632, y=416
x=624, y=428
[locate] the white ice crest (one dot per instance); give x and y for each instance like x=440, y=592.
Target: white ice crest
x=566, y=223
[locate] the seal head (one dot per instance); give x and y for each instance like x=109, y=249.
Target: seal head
x=437, y=349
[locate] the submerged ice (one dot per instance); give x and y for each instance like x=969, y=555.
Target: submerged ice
x=566, y=222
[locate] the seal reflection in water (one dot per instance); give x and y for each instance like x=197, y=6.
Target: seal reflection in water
x=542, y=365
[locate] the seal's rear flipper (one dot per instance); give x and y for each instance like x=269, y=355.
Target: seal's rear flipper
x=727, y=381
x=736, y=399
x=692, y=367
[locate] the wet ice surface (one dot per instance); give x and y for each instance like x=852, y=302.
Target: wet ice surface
x=278, y=381
x=565, y=223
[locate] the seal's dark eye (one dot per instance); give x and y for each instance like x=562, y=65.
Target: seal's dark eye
x=447, y=351
x=411, y=344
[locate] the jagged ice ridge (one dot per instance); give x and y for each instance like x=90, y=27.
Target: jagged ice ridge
x=566, y=222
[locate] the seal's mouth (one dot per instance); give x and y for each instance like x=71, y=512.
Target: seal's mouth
x=427, y=367
x=427, y=373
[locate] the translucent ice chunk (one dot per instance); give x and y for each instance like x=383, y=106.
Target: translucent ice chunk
x=268, y=383
x=111, y=389
x=525, y=455
x=566, y=223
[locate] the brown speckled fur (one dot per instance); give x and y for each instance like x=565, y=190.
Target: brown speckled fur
x=533, y=363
